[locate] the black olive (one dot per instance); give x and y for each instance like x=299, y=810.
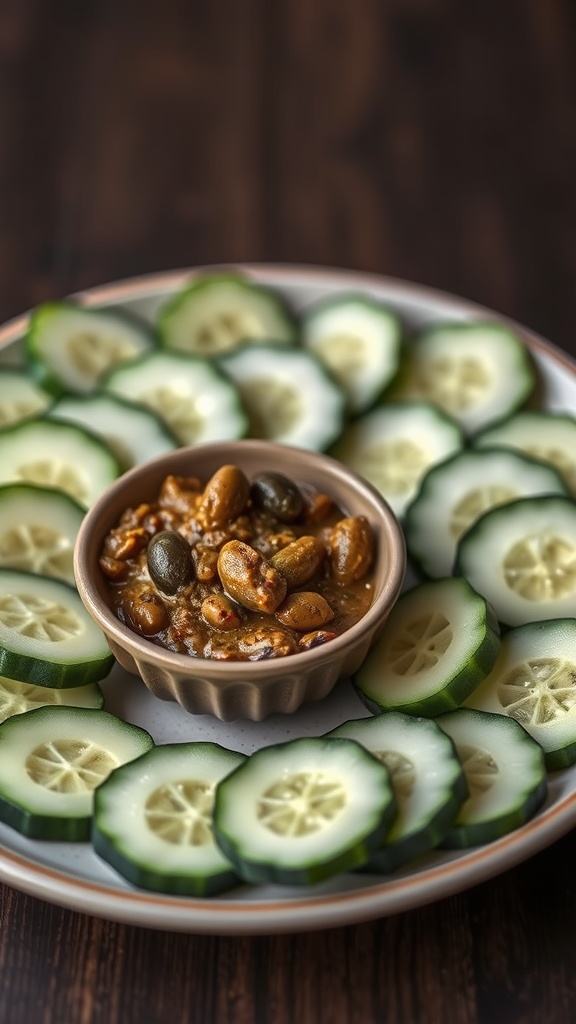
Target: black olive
x=169, y=561
x=276, y=494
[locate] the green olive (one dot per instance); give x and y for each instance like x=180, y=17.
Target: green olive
x=169, y=562
x=276, y=494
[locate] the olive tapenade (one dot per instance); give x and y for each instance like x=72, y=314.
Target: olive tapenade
x=238, y=569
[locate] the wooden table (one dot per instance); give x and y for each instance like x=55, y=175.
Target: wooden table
x=433, y=141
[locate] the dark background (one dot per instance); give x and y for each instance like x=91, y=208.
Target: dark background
x=428, y=140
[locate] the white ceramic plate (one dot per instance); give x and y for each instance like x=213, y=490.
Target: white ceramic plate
x=72, y=875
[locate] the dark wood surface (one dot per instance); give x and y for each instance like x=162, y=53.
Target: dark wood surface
x=429, y=140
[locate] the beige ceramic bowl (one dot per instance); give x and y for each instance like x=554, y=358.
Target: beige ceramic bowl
x=232, y=690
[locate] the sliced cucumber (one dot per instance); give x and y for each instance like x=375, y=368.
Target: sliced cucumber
x=38, y=530
x=301, y=811
x=134, y=433
x=57, y=455
x=534, y=682
x=522, y=558
x=46, y=635
x=70, y=348
x=51, y=761
x=475, y=372
x=359, y=341
x=439, y=642
x=288, y=395
x=427, y=777
x=20, y=397
x=191, y=396
x=454, y=494
x=153, y=819
x=547, y=436
x=218, y=312
x=505, y=773
x=394, y=445
x=16, y=697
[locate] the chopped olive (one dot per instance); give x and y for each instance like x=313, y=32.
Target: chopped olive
x=277, y=495
x=351, y=549
x=305, y=611
x=224, y=498
x=219, y=570
x=299, y=561
x=219, y=611
x=249, y=578
x=315, y=639
x=169, y=562
x=146, y=613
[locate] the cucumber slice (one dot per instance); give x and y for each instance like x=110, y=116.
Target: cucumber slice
x=38, y=530
x=534, y=682
x=394, y=445
x=20, y=397
x=438, y=643
x=549, y=437
x=51, y=761
x=454, y=494
x=57, y=455
x=289, y=396
x=17, y=698
x=427, y=778
x=46, y=635
x=505, y=773
x=359, y=341
x=153, y=819
x=475, y=372
x=191, y=396
x=218, y=312
x=522, y=558
x=70, y=348
x=299, y=812
x=134, y=433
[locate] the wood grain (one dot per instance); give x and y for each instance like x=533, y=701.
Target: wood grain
x=427, y=139
x=502, y=952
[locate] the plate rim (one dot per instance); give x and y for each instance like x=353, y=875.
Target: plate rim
x=295, y=913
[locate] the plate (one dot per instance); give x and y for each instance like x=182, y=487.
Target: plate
x=71, y=875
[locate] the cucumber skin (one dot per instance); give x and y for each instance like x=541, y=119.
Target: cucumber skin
x=524, y=359
x=32, y=825
x=461, y=685
x=397, y=852
x=57, y=827
x=180, y=299
x=418, y=558
x=259, y=872
x=563, y=758
x=339, y=425
x=89, y=435
x=379, y=308
x=163, y=428
x=460, y=837
x=173, y=885
x=185, y=358
x=390, y=857
x=137, y=873
x=55, y=676
x=39, y=371
x=98, y=704
x=477, y=529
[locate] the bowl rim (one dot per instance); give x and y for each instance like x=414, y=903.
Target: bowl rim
x=161, y=657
